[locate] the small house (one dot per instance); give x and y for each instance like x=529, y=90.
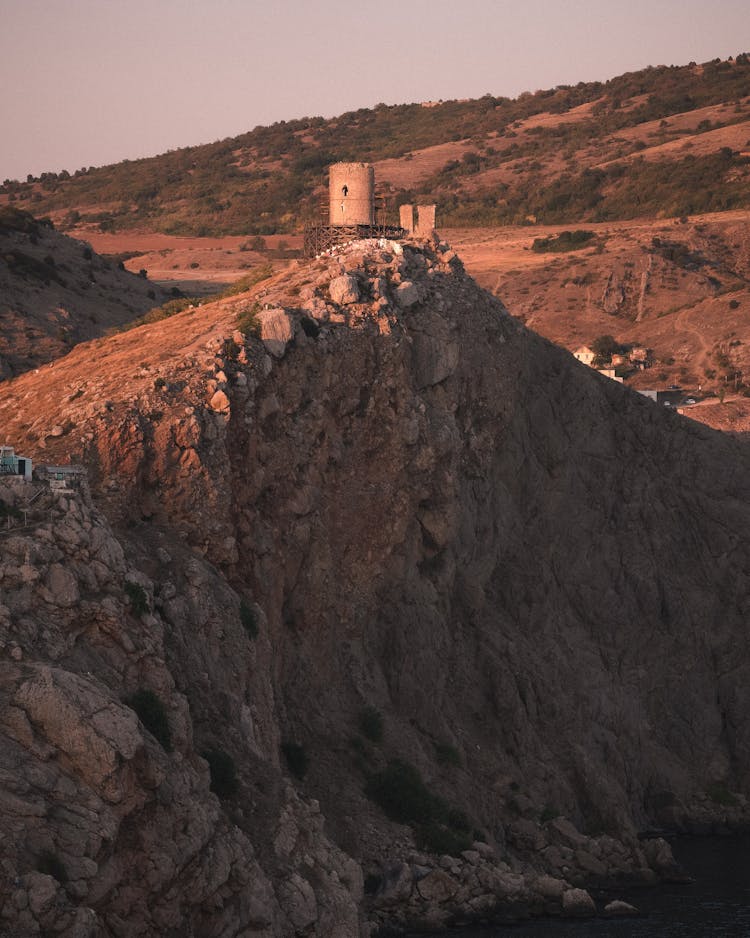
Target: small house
x=62, y=478
x=585, y=354
x=12, y=464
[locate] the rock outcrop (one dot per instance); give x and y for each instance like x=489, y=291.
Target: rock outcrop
x=459, y=617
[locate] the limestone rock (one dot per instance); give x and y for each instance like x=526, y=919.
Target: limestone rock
x=618, y=908
x=276, y=330
x=407, y=294
x=219, y=402
x=344, y=289
x=577, y=903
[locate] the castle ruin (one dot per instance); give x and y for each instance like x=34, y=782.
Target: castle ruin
x=354, y=211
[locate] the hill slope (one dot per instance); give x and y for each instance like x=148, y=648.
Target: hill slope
x=399, y=555
x=669, y=140
x=55, y=292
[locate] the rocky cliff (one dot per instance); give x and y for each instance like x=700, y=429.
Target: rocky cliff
x=376, y=592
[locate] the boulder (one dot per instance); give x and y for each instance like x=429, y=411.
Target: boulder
x=407, y=294
x=276, y=330
x=344, y=289
x=437, y=886
x=577, y=903
x=618, y=908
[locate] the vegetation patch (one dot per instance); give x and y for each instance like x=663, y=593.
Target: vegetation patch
x=402, y=794
x=223, y=772
x=296, y=758
x=721, y=795
x=10, y=511
x=371, y=724
x=137, y=596
x=50, y=864
x=448, y=755
x=248, y=619
x=565, y=241
x=153, y=715
x=247, y=320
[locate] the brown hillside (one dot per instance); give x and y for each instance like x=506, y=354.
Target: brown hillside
x=55, y=291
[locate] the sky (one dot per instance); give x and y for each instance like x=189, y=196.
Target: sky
x=91, y=82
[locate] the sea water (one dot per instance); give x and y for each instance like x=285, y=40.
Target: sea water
x=715, y=905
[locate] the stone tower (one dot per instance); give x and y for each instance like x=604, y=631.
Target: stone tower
x=351, y=190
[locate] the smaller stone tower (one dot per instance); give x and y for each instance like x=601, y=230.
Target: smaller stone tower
x=351, y=191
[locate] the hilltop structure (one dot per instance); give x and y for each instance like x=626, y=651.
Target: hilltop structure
x=354, y=211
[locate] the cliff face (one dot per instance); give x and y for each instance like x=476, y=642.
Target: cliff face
x=427, y=517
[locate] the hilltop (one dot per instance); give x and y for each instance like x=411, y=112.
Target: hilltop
x=383, y=611
x=668, y=140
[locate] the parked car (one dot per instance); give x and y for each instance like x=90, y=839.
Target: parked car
x=690, y=400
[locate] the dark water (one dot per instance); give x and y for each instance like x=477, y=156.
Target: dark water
x=716, y=905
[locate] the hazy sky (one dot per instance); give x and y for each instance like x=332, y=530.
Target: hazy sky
x=89, y=82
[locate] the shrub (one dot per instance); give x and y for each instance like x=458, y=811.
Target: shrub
x=248, y=619
x=50, y=864
x=721, y=795
x=153, y=715
x=565, y=241
x=446, y=754
x=223, y=772
x=137, y=596
x=9, y=511
x=296, y=758
x=230, y=349
x=371, y=724
x=403, y=796
x=159, y=383
x=247, y=320
x=437, y=838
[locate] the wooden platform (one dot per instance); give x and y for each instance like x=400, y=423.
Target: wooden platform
x=319, y=238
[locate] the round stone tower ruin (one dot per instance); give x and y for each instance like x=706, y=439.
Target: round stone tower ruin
x=351, y=190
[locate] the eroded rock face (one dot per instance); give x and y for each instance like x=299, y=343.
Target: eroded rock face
x=536, y=578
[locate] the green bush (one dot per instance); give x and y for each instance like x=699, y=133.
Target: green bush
x=446, y=754
x=223, y=772
x=721, y=795
x=248, y=619
x=371, y=724
x=50, y=864
x=137, y=596
x=153, y=715
x=9, y=511
x=247, y=320
x=296, y=758
x=160, y=383
x=399, y=790
x=402, y=794
x=565, y=241
x=437, y=838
